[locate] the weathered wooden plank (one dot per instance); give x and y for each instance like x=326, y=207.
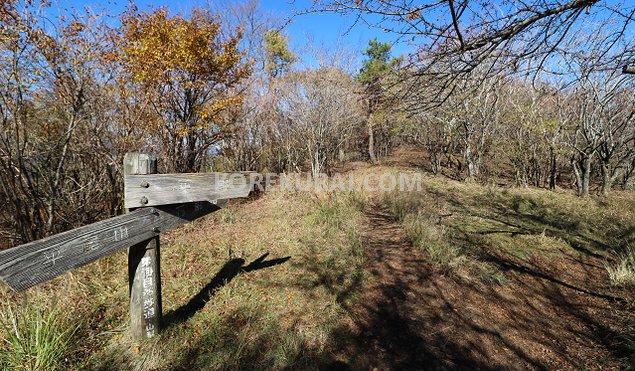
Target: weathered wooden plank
x=144, y=266
x=144, y=279
x=166, y=189
x=30, y=264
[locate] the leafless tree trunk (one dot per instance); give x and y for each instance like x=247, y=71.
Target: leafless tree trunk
x=371, y=139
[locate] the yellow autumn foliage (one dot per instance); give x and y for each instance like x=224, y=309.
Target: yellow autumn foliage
x=189, y=72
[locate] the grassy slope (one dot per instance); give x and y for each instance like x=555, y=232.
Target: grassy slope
x=226, y=307
x=504, y=237
x=455, y=221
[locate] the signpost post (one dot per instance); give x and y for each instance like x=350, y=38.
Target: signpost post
x=156, y=203
x=144, y=268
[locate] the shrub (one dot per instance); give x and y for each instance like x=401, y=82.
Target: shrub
x=33, y=338
x=622, y=272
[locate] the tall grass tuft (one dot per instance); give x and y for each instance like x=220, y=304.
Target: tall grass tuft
x=33, y=338
x=622, y=272
x=422, y=215
x=339, y=210
x=419, y=214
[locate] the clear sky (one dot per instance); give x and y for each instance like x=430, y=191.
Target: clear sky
x=325, y=30
x=329, y=28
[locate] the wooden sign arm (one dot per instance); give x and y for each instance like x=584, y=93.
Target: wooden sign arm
x=27, y=265
x=167, y=189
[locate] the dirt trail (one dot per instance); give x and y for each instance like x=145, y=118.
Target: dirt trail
x=548, y=315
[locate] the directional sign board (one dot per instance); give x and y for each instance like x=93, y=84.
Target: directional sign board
x=167, y=189
x=39, y=261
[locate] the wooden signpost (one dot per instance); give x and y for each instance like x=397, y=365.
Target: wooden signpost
x=144, y=266
x=166, y=189
x=173, y=199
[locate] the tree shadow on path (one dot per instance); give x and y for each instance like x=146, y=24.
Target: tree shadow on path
x=414, y=317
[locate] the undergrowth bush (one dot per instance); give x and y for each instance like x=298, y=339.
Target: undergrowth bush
x=622, y=271
x=419, y=214
x=33, y=337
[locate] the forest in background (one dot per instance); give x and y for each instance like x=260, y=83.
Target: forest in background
x=220, y=89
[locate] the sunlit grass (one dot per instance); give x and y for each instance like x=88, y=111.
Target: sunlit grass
x=286, y=315
x=461, y=226
x=33, y=337
x=622, y=271
x=271, y=318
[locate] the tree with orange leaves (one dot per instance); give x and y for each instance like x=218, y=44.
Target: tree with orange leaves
x=191, y=77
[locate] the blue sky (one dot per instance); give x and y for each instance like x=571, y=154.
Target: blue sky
x=321, y=30
x=326, y=30
x=329, y=28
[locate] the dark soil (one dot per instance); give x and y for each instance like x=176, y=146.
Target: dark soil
x=549, y=314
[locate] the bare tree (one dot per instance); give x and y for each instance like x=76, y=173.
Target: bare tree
x=476, y=114
x=476, y=29
x=525, y=35
x=319, y=109
x=57, y=139
x=601, y=108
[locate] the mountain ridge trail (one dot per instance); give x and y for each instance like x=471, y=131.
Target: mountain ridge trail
x=415, y=317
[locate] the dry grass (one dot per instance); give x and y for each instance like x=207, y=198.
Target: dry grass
x=421, y=215
x=465, y=228
x=254, y=317
x=460, y=226
x=223, y=312
x=622, y=271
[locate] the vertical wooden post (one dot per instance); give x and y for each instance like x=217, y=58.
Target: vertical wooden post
x=144, y=269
